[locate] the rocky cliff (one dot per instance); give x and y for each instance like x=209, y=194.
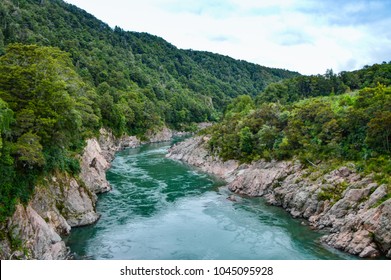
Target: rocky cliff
x=60, y=203
x=353, y=208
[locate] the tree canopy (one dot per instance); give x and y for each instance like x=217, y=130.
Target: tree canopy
x=349, y=127
x=64, y=74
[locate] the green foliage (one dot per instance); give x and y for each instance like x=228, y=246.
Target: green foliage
x=297, y=88
x=1, y=43
x=333, y=193
x=64, y=74
x=379, y=132
x=380, y=166
x=246, y=141
x=52, y=113
x=245, y=135
x=344, y=127
x=175, y=87
x=28, y=150
x=42, y=88
x=241, y=105
x=6, y=116
x=301, y=87
x=369, y=76
x=16, y=184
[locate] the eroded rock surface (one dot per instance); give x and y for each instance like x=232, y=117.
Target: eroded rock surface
x=33, y=238
x=350, y=206
x=60, y=203
x=193, y=152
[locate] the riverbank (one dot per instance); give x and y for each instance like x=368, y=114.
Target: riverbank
x=353, y=208
x=159, y=208
x=61, y=202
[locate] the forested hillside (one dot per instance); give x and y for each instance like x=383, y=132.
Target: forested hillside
x=340, y=117
x=332, y=118
x=183, y=86
x=64, y=74
x=301, y=87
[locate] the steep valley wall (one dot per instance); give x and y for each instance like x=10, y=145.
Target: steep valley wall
x=62, y=201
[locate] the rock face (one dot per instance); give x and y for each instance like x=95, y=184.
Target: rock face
x=38, y=239
x=60, y=203
x=194, y=153
x=93, y=167
x=109, y=144
x=351, y=207
x=165, y=134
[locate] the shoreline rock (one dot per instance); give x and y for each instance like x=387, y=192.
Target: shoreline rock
x=162, y=135
x=58, y=204
x=354, y=221
x=63, y=202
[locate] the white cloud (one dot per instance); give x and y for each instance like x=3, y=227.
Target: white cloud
x=306, y=36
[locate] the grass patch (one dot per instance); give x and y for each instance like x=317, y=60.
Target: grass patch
x=380, y=167
x=333, y=193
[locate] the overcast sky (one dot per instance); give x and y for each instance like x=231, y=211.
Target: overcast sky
x=308, y=36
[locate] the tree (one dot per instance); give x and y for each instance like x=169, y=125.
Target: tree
x=246, y=141
x=275, y=92
x=28, y=150
x=48, y=97
x=267, y=137
x=1, y=43
x=379, y=132
x=5, y=120
x=240, y=105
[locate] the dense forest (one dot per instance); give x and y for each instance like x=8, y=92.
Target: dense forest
x=339, y=117
x=64, y=74
x=182, y=86
x=301, y=87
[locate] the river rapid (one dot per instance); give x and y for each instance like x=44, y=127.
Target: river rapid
x=163, y=209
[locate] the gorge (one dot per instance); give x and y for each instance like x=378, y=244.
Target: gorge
x=160, y=208
x=164, y=209
x=75, y=91
x=358, y=222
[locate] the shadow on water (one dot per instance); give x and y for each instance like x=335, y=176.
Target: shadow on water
x=163, y=209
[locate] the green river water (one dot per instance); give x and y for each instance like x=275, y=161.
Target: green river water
x=163, y=209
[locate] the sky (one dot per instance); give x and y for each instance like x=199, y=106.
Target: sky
x=308, y=36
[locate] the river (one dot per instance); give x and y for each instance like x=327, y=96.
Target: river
x=163, y=209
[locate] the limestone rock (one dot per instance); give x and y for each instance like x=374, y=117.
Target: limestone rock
x=110, y=144
x=46, y=201
x=377, y=195
x=377, y=221
x=255, y=180
x=369, y=252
